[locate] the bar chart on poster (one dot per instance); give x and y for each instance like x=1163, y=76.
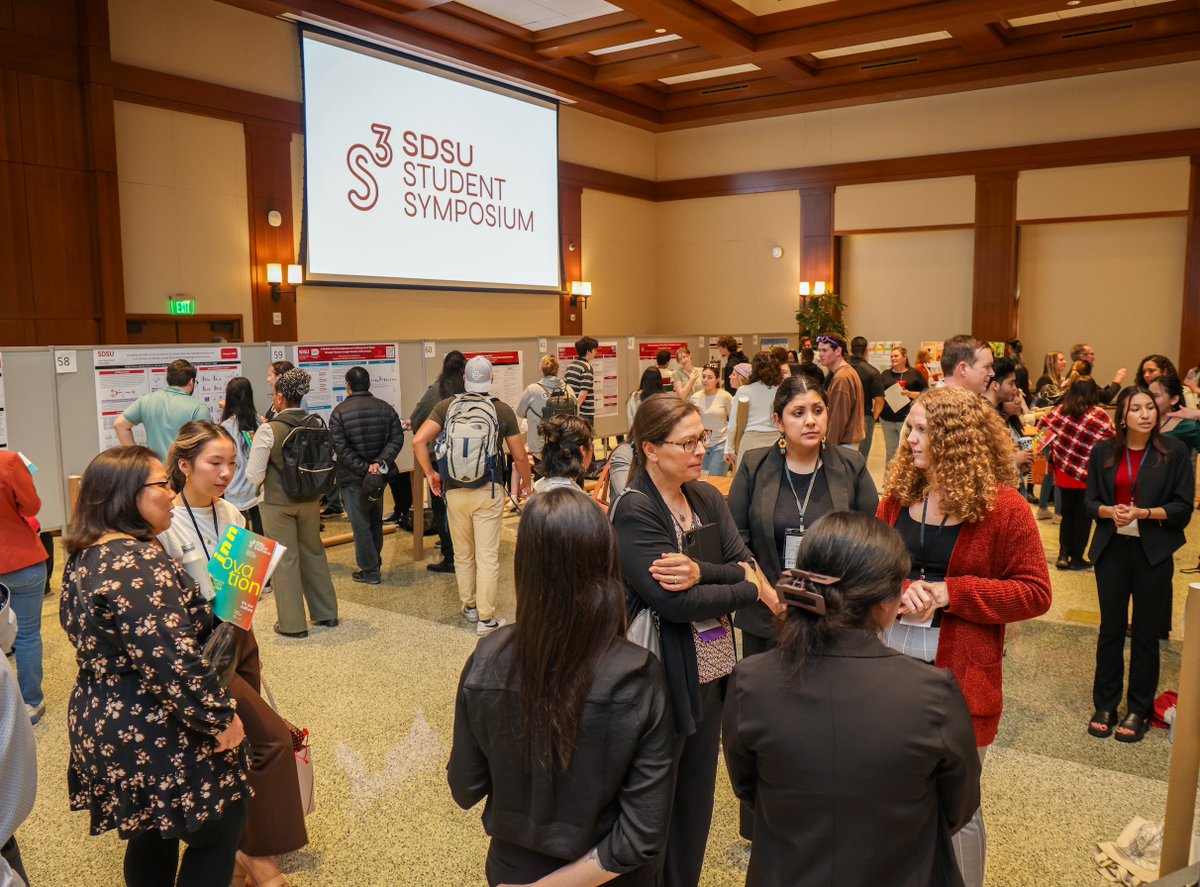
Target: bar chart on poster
x=327, y=365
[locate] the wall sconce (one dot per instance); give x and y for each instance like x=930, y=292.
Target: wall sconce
x=581, y=290
x=295, y=277
x=816, y=288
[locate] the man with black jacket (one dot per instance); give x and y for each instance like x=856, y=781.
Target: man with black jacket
x=367, y=437
x=732, y=354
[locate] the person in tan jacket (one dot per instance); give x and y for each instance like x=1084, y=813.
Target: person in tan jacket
x=844, y=392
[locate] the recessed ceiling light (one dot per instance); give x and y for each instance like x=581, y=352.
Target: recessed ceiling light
x=1074, y=2
x=664, y=30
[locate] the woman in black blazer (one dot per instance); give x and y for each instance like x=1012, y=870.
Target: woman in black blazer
x=1139, y=489
x=773, y=509
x=682, y=557
x=859, y=762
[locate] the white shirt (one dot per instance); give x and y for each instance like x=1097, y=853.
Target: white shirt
x=761, y=399
x=193, y=550
x=715, y=411
x=260, y=449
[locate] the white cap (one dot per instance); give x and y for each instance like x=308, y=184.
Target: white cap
x=478, y=375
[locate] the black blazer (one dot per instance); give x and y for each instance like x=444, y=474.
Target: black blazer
x=752, y=504
x=645, y=530
x=858, y=770
x=1167, y=482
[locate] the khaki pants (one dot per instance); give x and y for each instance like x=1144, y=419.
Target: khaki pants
x=303, y=572
x=476, y=517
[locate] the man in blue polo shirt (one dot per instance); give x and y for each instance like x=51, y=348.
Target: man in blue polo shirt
x=162, y=413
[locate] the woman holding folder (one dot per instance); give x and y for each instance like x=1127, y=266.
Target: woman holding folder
x=201, y=464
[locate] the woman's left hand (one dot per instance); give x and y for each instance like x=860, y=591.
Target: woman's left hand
x=675, y=571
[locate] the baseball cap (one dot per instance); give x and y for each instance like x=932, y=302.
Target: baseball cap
x=477, y=377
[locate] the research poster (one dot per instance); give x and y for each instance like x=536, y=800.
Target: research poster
x=507, y=382
x=3, y=413
x=879, y=354
x=648, y=352
x=766, y=343
x=327, y=365
x=714, y=353
x=605, y=386
x=125, y=374
x=934, y=364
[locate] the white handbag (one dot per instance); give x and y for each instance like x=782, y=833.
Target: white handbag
x=8, y=621
x=300, y=745
x=643, y=631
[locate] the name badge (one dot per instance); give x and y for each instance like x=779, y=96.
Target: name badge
x=792, y=537
x=709, y=630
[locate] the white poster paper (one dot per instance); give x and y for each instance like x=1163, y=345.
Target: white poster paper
x=125, y=374
x=648, y=354
x=766, y=343
x=327, y=365
x=714, y=353
x=879, y=354
x=507, y=383
x=605, y=386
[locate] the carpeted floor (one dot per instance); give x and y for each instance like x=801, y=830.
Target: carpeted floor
x=377, y=693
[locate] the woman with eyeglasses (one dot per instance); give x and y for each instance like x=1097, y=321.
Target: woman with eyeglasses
x=977, y=560
x=1140, y=488
x=857, y=762
x=156, y=745
x=682, y=558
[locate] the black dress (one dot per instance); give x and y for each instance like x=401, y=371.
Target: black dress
x=143, y=715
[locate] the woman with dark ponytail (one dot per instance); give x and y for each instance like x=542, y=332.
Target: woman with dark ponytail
x=566, y=452
x=867, y=756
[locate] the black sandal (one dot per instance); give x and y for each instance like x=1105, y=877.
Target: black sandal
x=1136, y=724
x=1102, y=723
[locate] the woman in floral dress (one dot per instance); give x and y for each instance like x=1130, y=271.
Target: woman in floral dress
x=156, y=745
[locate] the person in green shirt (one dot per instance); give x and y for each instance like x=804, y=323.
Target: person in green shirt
x=162, y=413
x=1167, y=392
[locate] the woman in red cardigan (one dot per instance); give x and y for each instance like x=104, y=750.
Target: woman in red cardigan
x=977, y=560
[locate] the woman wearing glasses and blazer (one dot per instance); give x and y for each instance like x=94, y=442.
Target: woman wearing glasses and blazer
x=662, y=520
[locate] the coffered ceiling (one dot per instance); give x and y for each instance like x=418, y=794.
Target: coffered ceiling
x=673, y=64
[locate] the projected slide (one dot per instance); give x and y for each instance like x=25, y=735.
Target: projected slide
x=418, y=178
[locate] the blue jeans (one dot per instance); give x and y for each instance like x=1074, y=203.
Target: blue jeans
x=1048, y=487
x=27, y=588
x=864, y=445
x=714, y=462
x=366, y=521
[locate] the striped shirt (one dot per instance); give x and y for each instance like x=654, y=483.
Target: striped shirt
x=579, y=377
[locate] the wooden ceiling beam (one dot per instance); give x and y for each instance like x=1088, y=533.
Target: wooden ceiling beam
x=788, y=70
x=978, y=37
x=594, y=38
x=667, y=64
x=695, y=23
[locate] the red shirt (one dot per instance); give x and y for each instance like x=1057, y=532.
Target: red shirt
x=19, y=544
x=1123, y=484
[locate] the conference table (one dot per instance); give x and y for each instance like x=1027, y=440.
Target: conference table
x=721, y=483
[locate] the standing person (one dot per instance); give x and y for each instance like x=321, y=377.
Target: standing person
x=1073, y=429
x=685, y=381
x=859, y=763
x=274, y=371
x=367, y=437
x=1140, y=489
x=732, y=354
x=1167, y=392
x=1003, y=394
x=716, y=409
x=977, y=561
x=532, y=405
x=476, y=507
x=754, y=426
x=967, y=363
x=137, y=621
x=652, y=382
x=561, y=723
x=845, y=393
x=18, y=775
x=691, y=590
x=923, y=359
x=580, y=378
x=872, y=386
x=1012, y=350
x=448, y=383
x=1153, y=366
x=1085, y=352
x=202, y=466
x=567, y=454
x=23, y=571
x=162, y=413
x=1051, y=384
x=911, y=383
x=303, y=572
x=241, y=420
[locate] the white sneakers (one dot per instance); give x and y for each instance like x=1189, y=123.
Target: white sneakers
x=470, y=613
x=483, y=629
x=35, y=712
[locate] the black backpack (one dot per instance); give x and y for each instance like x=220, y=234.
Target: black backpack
x=559, y=402
x=307, y=454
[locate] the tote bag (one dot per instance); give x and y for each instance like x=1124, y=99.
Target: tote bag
x=303, y=752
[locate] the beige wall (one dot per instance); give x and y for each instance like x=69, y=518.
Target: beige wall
x=184, y=224
x=605, y=144
x=905, y=204
x=1105, y=189
x=1117, y=285
x=909, y=287
x=620, y=254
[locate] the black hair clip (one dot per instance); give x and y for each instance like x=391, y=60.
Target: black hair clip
x=801, y=588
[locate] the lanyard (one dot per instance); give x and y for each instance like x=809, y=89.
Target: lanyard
x=199, y=534
x=1133, y=478
x=924, y=554
x=812, y=480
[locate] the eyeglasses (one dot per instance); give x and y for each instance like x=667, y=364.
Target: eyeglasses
x=164, y=484
x=689, y=446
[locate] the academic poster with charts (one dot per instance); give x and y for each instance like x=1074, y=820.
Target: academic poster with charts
x=879, y=354
x=507, y=383
x=605, y=387
x=327, y=366
x=125, y=374
x=648, y=354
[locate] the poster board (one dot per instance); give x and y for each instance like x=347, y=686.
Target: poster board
x=934, y=364
x=327, y=365
x=648, y=353
x=605, y=382
x=35, y=430
x=122, y=375
x=714, y=353
x=508, y=382
x=769, y=342
x=879, y=354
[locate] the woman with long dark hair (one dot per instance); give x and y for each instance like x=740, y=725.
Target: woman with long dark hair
x=562, y=724
x=156, y=745
x=858, y=762
x=241, y=420
x=1151, y=367
x=1072, y=429
x=1140, y=489
x=450, y=381
x=683, y=560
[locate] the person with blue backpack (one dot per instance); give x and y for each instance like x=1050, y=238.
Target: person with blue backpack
x=468, y=432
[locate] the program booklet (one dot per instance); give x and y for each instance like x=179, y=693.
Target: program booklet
x=243, y=563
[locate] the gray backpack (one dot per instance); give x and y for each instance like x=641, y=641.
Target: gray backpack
x=466, y=448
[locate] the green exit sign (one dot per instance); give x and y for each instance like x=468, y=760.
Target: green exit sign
x=183, y=306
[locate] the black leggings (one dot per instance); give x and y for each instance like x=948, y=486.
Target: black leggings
x=151, y=860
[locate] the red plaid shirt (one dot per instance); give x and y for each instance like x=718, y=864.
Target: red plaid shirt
x=1074, y=438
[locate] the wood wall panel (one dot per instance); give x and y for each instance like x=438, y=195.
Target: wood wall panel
x=6, y=13
x=52, y=122
x=816, y=236
x=16, y=281
x=44, y=18
x=68, y=330
x=1189, y=330
x=994, y=306
x=60, y=241
x=10, y=116
x=16, y=329
x=269, y=187
x=570, y=226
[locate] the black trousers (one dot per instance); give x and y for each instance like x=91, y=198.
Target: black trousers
x=752, y=645
x=12, y=855
x=400, y=483
x=151, y=860
x=1076, y=526
x=1123, y=572
x=695, y=786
